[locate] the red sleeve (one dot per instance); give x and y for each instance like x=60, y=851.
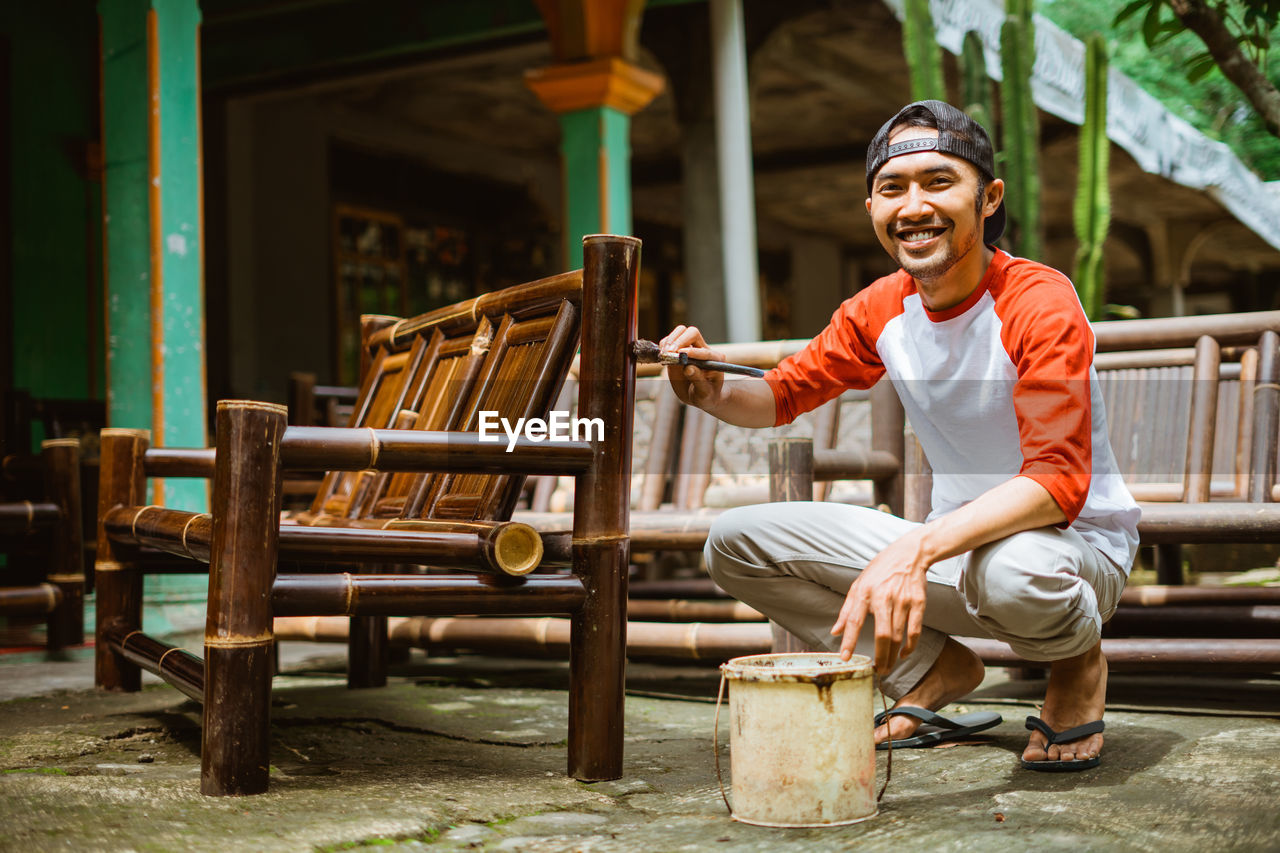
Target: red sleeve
x=1051, y=344
x=842, y=356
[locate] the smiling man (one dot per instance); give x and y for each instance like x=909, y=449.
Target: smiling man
x=1032, y=532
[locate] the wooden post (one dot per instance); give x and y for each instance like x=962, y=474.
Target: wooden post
x=242, y=563
x=66, y=569
x=368, y=652
x=601, y=512
x=122, y=481
x=917, y=478
x=790, y=479
x=1266, y=418
x=888, y=433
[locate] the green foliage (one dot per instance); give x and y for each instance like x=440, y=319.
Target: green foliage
x=1209, y=102
x=1092, y=212
x=975, y=85
x=924, y=55
x=1021, y=128
x=1250, y=21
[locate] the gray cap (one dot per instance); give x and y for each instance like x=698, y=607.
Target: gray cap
x=958, y=135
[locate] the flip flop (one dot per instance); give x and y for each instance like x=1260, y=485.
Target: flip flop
x=936, y=728
x=1036, y=724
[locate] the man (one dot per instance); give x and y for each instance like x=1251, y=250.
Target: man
x=1032, y=532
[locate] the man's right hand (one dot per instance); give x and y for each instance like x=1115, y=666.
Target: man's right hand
x=697, y=387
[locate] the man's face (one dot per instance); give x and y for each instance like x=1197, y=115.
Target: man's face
x=926, y=209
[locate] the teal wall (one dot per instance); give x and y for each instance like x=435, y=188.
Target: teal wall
x=55, y=211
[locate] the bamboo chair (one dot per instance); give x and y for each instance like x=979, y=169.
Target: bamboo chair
x=50, y=530
x=461, y=476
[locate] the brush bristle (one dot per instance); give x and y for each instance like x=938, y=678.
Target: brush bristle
x=646, y=351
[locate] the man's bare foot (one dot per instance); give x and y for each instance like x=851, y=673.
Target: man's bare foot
x=1077, y=694
x=954, y=675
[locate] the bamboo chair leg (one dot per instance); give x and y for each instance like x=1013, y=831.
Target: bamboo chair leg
x=234, y=754
x=66, y=570
x=122, y=481
x=601, y=548
x=790, y=479
x=368, y=652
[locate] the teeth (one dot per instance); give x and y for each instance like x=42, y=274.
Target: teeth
x=920, y=236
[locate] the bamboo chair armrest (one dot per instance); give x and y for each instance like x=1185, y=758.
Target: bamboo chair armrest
x=344, y=449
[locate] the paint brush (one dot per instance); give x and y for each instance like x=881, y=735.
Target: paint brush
x=647, y=352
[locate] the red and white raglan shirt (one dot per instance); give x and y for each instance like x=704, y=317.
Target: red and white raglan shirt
x=1001, y=385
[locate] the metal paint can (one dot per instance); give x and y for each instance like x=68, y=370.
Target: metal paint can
x=801, y=739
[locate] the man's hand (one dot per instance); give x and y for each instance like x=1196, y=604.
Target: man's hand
x=697, y=387
x=892, y=590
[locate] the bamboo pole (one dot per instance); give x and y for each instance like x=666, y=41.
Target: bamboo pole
x=1204, y=415
x=1167, y=332
x=177, y=666
x=20, y=518
x=1157, y=654
x=1211, y=522
x=334, y=449
x=1266, y=418
x=36, y=600
x=790, y=479
x=122, y=481
x=509, y=548
x=1188, y=621
x=368, y=652
x=888, y=444
x=679, y=610
x=601, y=508
x=425, y=595
x=180, y=462
x=238, y=641
x=1159, y=596
x=66, y=559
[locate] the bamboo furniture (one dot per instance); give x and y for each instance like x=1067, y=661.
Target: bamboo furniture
x=50, y=530
x=435, y=494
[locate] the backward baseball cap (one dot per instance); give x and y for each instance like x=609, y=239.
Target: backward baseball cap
x=958, y=135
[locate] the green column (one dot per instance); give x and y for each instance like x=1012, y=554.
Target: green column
x=595, y=101
x=181, y=421
x=124, y=179
x=596, y=147
x=154, y=275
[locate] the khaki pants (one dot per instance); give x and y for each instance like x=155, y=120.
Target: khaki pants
x=1045, y=592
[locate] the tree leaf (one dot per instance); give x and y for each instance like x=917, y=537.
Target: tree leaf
x=1130, y=10
x=1198, y=67
x=1151, y=25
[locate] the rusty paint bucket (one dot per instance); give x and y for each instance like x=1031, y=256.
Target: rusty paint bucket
x=800, y=737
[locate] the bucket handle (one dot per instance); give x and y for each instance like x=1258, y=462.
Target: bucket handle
x=715, y=744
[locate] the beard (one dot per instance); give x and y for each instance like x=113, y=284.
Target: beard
x=941, y=261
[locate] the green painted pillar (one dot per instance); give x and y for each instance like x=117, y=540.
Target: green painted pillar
x=127, y=273
x=595, y=147
x=595, y=101
x=154, y=257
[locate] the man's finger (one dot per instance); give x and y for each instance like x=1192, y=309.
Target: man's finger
x=853, y=627
x=915, y=623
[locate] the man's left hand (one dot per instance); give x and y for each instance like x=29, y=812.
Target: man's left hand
x=891, y=589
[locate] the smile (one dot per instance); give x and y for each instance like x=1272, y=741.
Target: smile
x=919, y=235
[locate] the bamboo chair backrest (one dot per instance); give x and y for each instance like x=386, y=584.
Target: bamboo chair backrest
x=1148, y=398
x=381, y=398
x=514, y=366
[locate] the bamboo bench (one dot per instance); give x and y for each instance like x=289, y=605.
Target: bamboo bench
x=48, y=532
x=413, y=494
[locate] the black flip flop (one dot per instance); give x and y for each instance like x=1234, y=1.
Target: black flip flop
x=936, y=728
x=1036, y=724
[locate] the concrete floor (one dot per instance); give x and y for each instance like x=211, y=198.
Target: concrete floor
x=469, y=753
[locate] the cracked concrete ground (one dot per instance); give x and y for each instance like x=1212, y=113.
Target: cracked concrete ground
x=469, y=753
